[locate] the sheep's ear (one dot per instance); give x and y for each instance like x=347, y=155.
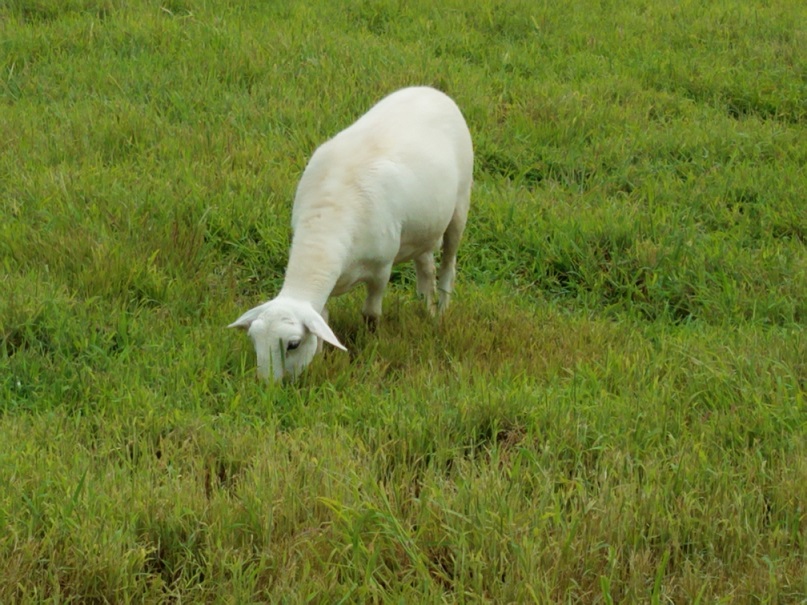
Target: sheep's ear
x=318, y=327
x=245, y=321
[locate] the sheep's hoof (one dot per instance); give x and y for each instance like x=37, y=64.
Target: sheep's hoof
x=443, y=299
x=428, y=300
x=371, y=321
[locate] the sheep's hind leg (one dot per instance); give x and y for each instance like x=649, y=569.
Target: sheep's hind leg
x=448, y=262
x=375, y=292
x=424, y=267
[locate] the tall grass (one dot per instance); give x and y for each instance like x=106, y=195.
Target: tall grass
x=612, y=411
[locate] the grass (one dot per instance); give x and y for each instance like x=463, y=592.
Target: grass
x=612, y=411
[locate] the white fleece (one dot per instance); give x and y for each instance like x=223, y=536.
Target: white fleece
x=387, y=189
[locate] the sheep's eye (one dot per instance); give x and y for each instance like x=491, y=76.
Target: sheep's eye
x=293, y=344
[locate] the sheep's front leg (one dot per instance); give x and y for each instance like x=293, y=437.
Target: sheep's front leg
x=375, y=292
x=424, y=267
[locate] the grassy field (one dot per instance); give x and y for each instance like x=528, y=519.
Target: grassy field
x=612, y=411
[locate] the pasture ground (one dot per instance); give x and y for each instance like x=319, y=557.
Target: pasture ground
x=612, y=411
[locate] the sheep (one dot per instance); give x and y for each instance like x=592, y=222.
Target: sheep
x=388, y=189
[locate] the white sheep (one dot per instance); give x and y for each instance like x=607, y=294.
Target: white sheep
x=387, y=189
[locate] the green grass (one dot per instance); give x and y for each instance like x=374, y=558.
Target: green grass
x=612, y=411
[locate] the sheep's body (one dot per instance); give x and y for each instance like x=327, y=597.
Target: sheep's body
x=387, y=189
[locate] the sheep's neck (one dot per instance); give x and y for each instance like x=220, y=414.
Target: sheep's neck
x=314, y=266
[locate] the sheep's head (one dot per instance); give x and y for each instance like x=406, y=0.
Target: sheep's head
x=285, y=334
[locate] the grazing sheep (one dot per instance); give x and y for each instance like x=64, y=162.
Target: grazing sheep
x=387, y=189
